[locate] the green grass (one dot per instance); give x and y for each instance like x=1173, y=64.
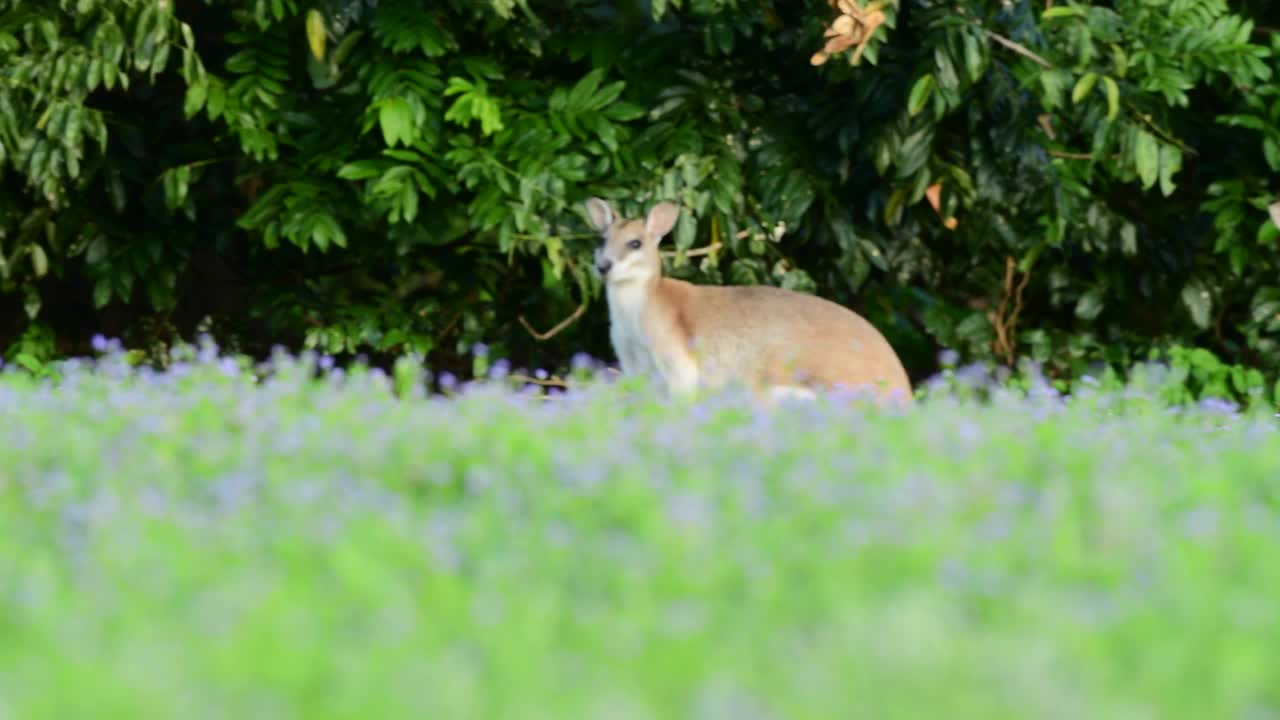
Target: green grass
x=199, y=544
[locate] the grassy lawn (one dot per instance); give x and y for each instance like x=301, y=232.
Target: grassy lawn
x=199, y=543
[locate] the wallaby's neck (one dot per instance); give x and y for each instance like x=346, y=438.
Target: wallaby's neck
x=631, y=297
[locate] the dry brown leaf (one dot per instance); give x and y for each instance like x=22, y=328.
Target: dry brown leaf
x=934, y=194
x=839, y=44
x=852, y=29
x=1046, y=122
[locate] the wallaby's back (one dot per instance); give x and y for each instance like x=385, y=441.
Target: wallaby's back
x=774, y=337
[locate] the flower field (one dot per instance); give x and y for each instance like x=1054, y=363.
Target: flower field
x=212, y=542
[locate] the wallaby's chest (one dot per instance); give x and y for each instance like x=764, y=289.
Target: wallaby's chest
x=629, y=331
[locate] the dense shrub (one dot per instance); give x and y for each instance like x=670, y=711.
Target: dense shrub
x=393, y=176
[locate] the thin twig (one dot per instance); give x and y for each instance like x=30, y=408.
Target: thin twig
x=1146, y=120
x=1006, y=328
x=549, y=382
x=704, y=250
x=1019, y=48
x=708, y=248
x=558, y=328
x=1077, y=155
x=1017, y=306
x=566, y=236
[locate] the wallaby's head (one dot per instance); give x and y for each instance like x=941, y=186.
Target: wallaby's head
x=628, y=249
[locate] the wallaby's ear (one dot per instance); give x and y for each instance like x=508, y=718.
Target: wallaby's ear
x=661, y=219
x=600, y=213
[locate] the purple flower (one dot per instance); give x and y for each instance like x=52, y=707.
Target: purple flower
x=480, y=350
x=582, y=361
x=229, y=367
x=501, y=368
x=99, y=343
x=208, y=351
x=1218, y=406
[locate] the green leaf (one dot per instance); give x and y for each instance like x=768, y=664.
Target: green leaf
x=1119, y=60
x=29, y=362
x=361, y=169
x=97, y=250
x=39, y=260
x=101, y=293
x=31, y=302
x=1083, y=86
x=1197, y=299
x=346, y=46
x=1062, y=11
x=1129, y=239
x=946, y=70
x=316, y=34
x=975, y=329
x=197, y=94
x=395, y=118
x=1271, y=151
x=217, y=97
x=1146, y=156
x=1265, y=306
x=1113, y=97
x=623, y=111
x=1054, y=83
x=160, y=59
x=1170, y=163
x=584, y=89
x=1267, y=234
x=974, y=60
x=1090, y=304
x=920, y=94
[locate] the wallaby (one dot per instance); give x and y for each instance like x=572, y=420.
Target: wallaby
x=776, y=342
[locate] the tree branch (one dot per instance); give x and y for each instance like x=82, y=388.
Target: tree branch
x=1019, y=48
x=696, y=252
x=558, y=328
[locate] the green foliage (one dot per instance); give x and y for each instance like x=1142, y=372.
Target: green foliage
x=383, y=177
x=56, y=138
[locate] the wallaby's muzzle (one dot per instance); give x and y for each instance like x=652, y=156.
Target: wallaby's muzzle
x=603, y=263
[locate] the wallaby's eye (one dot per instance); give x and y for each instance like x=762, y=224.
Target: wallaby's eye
x=634, y=244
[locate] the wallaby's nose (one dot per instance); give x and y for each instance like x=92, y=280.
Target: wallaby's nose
x=603, y=264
